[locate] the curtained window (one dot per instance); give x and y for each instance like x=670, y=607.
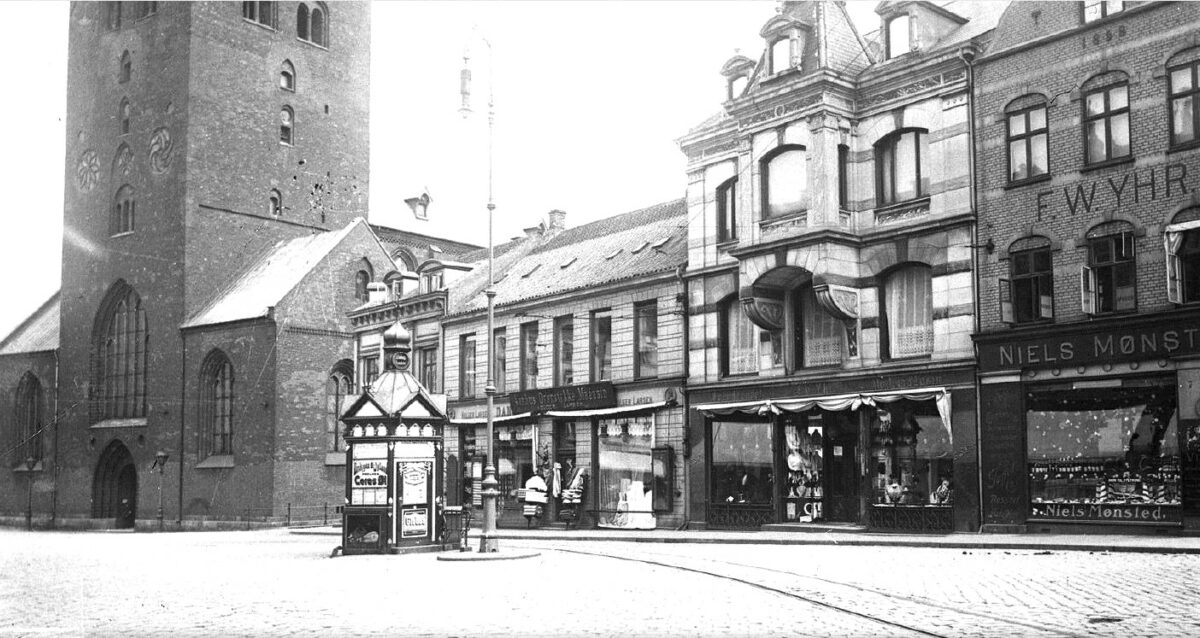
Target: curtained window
x=908, y=308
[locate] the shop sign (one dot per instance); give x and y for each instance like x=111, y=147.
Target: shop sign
x=1155, y=341
x=414, y=523
x=1106, y=512
x=571, y=397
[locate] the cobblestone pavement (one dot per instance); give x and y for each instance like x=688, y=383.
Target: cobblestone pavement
x=274, y=583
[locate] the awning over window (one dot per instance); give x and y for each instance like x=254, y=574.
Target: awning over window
x=524, y=416
x=624, y=409
x=833, y=402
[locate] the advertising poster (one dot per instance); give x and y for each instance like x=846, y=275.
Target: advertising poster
x=414, y=523
x=369, y=483
x=416, y=482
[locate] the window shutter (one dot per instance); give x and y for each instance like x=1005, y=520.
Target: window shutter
x=1171, y=243
x=1087, y=290
x=1046, y=306
x=1006, y=304
x=1127, y=244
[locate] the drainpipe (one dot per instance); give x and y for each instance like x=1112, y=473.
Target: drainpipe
x=967, y=56
x=684, y=400
x=54, y=475
x=182, y=422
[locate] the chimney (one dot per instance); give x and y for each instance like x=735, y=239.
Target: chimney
x=558, y=219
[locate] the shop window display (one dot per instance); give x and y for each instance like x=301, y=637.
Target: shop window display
x=912, y=458
x=1102, y=445
x=805, y=461
x=572, y=460
x=514, y=465
x=742, y=463
x=625, y=476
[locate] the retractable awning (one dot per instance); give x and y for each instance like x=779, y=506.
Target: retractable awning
x=624, y=409
x=833, y=402
x=524, y=416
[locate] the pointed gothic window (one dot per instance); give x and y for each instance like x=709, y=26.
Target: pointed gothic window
x=29, y=419
x=123, y=211
x=216, y=405
x=119, y=346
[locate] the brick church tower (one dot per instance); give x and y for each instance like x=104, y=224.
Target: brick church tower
x=217, y=162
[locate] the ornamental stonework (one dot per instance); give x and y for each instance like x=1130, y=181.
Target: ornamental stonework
x=161, y=148
x=123, y=161
x=87, y=171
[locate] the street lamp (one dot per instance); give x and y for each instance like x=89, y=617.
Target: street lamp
x=491, y=487
x=160, y=463
x=29, y=463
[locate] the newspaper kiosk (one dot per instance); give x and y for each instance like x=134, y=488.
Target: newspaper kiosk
x=393, y=435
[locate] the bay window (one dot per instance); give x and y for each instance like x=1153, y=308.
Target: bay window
x=784, y=181
x=739, y=339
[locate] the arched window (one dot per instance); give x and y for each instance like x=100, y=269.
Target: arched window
x=739, y=339
x=899, y=38
x=1182, y=242
x=287, y=76
x=406, y=259
x=216, y=405
x=902, y=160
x=126, y=68
x=727, y=210
x=317, y=24
x=1028, y=138
x=119, y=347
x=285, y=125
x=1029, y=295
x=124, y=211
x=29, y=419
x=125, y=113
x=908, y=311
x=1109, y=280
x=784, y=181
x=302, y=21
x=361, y=279
x=260, y=12
x=337, y=387
x=1106, y=117
x=275, y=204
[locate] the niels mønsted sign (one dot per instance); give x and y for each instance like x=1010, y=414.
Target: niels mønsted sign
x=570, y=397
x=1153, y=341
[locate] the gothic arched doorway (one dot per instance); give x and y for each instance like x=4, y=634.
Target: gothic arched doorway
x=114, y=489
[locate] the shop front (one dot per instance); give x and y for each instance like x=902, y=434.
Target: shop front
x=1094, y=428
x=879, y=459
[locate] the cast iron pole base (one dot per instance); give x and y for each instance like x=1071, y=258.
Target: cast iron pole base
x=487, y=538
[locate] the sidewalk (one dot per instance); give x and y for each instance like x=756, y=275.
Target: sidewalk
x=958, y=540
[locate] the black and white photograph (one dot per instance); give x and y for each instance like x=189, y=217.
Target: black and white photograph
x=696, y=318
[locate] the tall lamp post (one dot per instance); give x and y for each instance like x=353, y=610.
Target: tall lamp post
x=491, y=487
x=160, y=463
x=30, y=462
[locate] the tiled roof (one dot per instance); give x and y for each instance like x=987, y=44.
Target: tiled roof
x=272, y=277
x=605, y=251
x=38, y=333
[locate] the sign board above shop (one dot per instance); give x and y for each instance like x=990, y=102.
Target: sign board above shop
x=588, y=396
x=1113, y=343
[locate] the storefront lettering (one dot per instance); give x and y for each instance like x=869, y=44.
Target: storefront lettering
x=1147, y=184
x=1105, y=512
x=571, y=397
x=1093, y=347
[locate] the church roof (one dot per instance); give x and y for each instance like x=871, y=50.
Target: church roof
x=38, y=333
x=270, y=279
x=618, y=248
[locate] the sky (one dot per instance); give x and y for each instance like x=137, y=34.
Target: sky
x=590, y=98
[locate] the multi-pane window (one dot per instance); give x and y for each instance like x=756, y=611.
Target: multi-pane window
x=338, y=386
x=908, y=311
x=29, y=418
x=1028, y=295
x=820, y=337
x=1096, y=9
x=287, y=76
x=286, y=128
x=1106, y=122
x=529, y=355
x=125, y=113
x=739, y=339
x=727, y=210
x=216, y=404
x=368, y=371
x=466, y=366
x=261, y=12
x=601, y=345
x=1181, y=241
x=784, y=181
x=499, y=356
x=899, y=40
x=120, y=356
x=1108, y=283
x=123, y=212
x=645, y=335
x=564, y=350
x=312, y=23
x=1185, y=89
x=902, y=160
x=126, y=68
x=1028, y=137
x=427, y=367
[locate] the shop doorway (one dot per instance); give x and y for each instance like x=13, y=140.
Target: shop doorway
x=841, y=467
x=115, y=486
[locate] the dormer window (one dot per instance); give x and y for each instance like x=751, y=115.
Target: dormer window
x=781, y=55
x=899, y=38
x=737, y=75
x=737, y=86
x=785, y=37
